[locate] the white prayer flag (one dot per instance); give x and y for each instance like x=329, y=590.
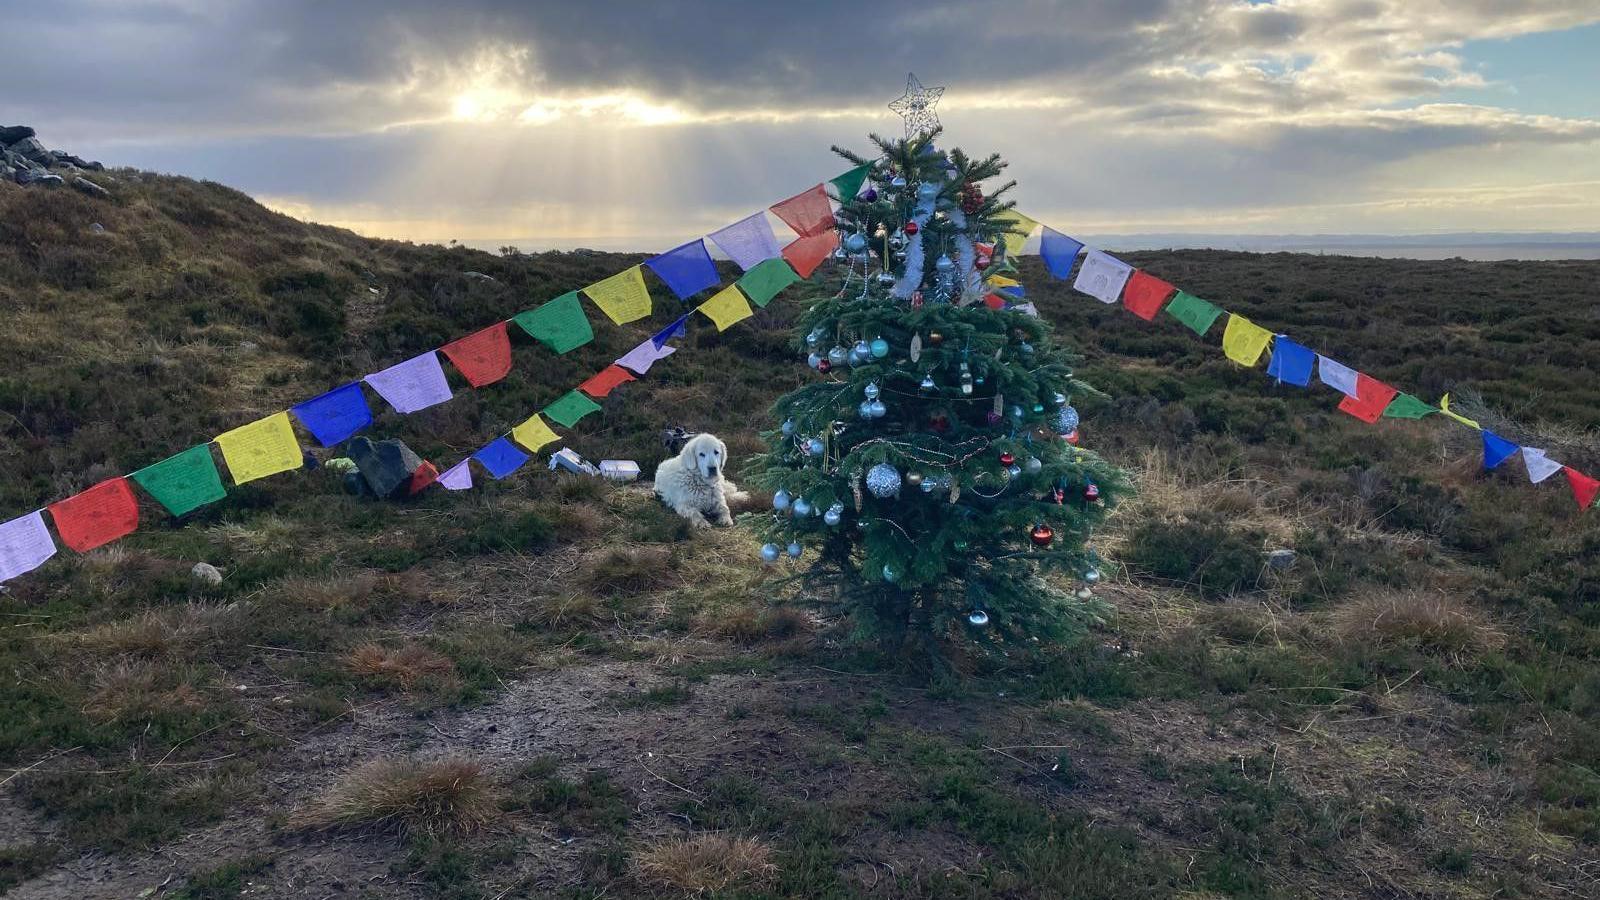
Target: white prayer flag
x=417, y=383
x=25, y=544
x=458, y=477
x=1539, y=466
x=1102, y=276
x=749, y=241
x=1336, y=375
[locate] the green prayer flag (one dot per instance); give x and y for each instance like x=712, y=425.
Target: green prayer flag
x=850, y=182
x=1192, y=311
x=184, y=482
x=1405, y=406
x=569, y=409
x=559, y=324
x=763, y=282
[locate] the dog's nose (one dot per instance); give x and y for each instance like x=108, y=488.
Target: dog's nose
x=712, y=470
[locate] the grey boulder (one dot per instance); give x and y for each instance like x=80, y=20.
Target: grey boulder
x=10, y=134
x=90, y=188
x=386, y=466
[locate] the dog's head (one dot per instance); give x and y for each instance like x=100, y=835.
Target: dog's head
x=705, y=455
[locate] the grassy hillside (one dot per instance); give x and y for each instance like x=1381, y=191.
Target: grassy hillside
x=546, y=688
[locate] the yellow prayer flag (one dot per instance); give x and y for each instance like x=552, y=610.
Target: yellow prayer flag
x=727, y=307
x=1001, y=281
x=1244, y=341
x=1444, y=407
x=623, y=296
x=1016, y=223
x=264, y=447
x=533, y=434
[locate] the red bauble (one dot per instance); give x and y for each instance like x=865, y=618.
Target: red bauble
x=1070, y=437
x=916, y=299
x=940, y=423
x=1007, y=459
x=1091, y=492
x=1042, y=535
x=1058, y=495
x=992, y=417
x=981, y=263
x=823, y=366
x=911, y=228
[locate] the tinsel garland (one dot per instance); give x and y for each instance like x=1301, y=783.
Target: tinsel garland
x=912, y=279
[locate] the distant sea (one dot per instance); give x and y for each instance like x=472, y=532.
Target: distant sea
x=1475, y=246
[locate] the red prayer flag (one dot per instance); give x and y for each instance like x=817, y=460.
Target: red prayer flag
x=807, y=212
x=484, y=357
x=97, y=516
x=602, y=384
x=426, y=474
x=1145, y=294
x=805, y=254
x=1371, y=399
x=1584, y=488
x=994, y=301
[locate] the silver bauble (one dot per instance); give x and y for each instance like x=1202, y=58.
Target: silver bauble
x=871, y=390
x=1033, y=465
x=788, y=427
x=1066, y=420
x=780, y=500
x=801, y=507
x=877, y=408
x=834, y=514
x=883, y=480
x=794, y=550
x=978, y=618
x=769, y=553
x=865, y=409
x=814, y=360
x=1092, y=576
x=838, y=355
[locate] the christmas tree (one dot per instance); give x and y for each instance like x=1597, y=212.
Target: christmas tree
x=930, y=478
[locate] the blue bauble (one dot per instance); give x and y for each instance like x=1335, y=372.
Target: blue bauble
x=769, y=553
x=863, y=350
x=788, y=427
x=889, y=573
x=780, y=500
x=883, y=480
x=814, y=360
x=880, y=348
x=978, y=618
x=801, y=507
x=865, y=409
x=794, y=550
x=815, y=447
x=927, y=190
x=877, y=409
x=854, y=359
x=871, y=390
x=838, y=355
x=1033, y=465
x=1066, y=420
x=855, y=243
x=869, y=195
x=944, y=264
x=834, y=514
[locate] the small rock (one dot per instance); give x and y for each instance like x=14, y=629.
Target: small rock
x=90, y=188
x=248, y=346
x=206, y=575
x=97, y=228
x=479, y=276
x=39, y=176
x=1280, y=559
x=10, y=134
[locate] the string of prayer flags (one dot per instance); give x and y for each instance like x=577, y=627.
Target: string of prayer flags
x=1405, y=406
x=748, y=242
x=1058, y=251
x=263, y=447
x=458, y=477
x=1244, y=341
x=1539, y=465
x=482, y=357
x=533, y=433
x=1444, y=407
x=641, y=358
x=763, y=282
x=335, y=416
x=1496, y=449
x=96, y=516
x=1291, y=362
x=1145, y=294
x=559, y=324
x=1584, y=490
x=726, y=307
x=605, y=381
x=849, y=183
x=1371, y=399
x=807, y=212
x=1102, y=276
x=1198, y=315
x=413, y=385
x=808, y=252
x=425, y=474
x=1336, y=375
x=183, y=483
x=687, y=268
x=25, y=545
x=570, y=408
x=1015, y=223
x=677, y=327
x=622, y=297
x=500, y=457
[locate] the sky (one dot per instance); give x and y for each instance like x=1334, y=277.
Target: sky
x=642, y=124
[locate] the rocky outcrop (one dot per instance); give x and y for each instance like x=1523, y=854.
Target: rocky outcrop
x=25, y=160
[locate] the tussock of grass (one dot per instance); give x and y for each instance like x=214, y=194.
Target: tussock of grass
x=451, y=795
x=136, y=689
x=706, y=862
x=159, y=632
x=1419, y=620
x=328, y=593
x=629, y=570
x=406, y=666
x=752, y=625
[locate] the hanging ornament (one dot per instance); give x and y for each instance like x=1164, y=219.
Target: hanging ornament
x=1038, y=407
x=898, y=181
x=838, y=355
x=883, y=480
x=914, y=479
x=1013, y=471
x=815, y=447
x=897, y=241
x=927, y=191
x=890, y=574
x=978, y=618
x=1071, y=437
x=880, y=347
x=935, y=338
x=876, y=409
x=769, y=553
x=1007, y=458
x=1092, y=576
x=1066, y=420
x=886, y=277
x=939, y=422
x=814, y=360
x=981, y=263
x=838, y=252
x=944, y=263
x=868, y=196
x=1060, y=398
x=823, y=366
x=992, y=417
x=916, y=339
x=1058, y=495
x=855, y=243
x=1084, y=593
x=1042, y=535
x=794, y=550
x=788, y=427
x=780, y=500
x=912, y=227
x=834, y=515
x=929, y=485
x=854, y=359
x=916, y=303
x=1025, y=348
x=960, y=544
x=814, y=339
x=966, y=380
x=1032, y=465
x=801, y=507
x=865, y=409
x=1091, y=492
x=863, y=349
x=927, y=383
x=1016, y=412
x=871, y=390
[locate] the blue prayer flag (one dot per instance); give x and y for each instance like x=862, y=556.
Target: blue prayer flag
x=1496, y=449
x=501, y=457
x=1291, y=362
x=1059, y=251
x=335, y=415
x=671, y=331
x=687, y=269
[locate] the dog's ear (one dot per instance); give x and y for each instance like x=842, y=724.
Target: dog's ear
x=723, y=446
x=688, y=451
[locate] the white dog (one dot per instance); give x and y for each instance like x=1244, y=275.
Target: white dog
x=692, y=482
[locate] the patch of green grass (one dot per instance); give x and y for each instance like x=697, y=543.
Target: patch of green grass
x=592, y=803
x=137, y=808
x=223, y=882
x=673, y=694
x=21, y=862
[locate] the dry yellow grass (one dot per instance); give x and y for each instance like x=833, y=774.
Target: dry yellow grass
x=439, y=796
x=406, y=666
x=706, y=862
x=159, y=632
x=1424, y=620
x=134, y=689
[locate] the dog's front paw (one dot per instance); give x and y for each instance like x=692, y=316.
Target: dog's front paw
x=699, y=523
x=724, y=521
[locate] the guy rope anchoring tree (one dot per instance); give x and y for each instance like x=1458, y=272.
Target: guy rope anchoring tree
x=929, y=479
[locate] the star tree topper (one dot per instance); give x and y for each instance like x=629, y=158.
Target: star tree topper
x=916, y=106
